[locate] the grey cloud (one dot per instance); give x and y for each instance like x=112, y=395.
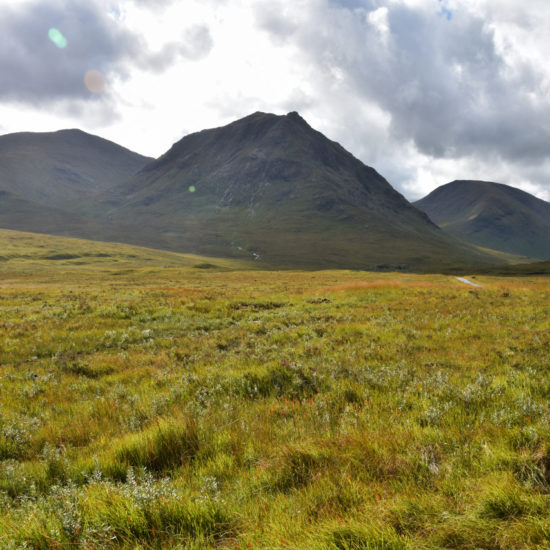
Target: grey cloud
x=442, y=81
x=271, y=17
x=196, y=43
x=101, y=112
x=153, y=4
x=159, y=61
x=297, y=100
x=449, y=92
x=156, y=4
x=356, y=4
x=35, y=71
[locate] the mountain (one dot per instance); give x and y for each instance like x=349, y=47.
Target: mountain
x=64, y=169
x=17, y=213
x=492, y=215
x=272, y=188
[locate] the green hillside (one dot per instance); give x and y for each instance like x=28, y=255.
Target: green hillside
x=492, y=215
x=63, y=169
x=271, y=188
x=33, y=254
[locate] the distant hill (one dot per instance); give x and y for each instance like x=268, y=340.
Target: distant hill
x=271, y=188
x=492, y=215
x=32, y=252
x=23, y=215
x=63, y=169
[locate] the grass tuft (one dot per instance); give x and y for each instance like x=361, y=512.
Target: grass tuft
x=364, y=538
x=162, y=447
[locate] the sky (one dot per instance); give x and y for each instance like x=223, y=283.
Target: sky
x=424, y=91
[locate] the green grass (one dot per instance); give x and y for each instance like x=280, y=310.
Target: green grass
x=190, y=407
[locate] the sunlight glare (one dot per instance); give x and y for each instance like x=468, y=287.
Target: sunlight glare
x=57, y=38
x=95, y=81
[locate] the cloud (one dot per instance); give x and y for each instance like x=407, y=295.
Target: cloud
x=450, y=80
x=154, y=4
x=423, y=90
x=47, y=49
x=35, y=70
x=276, y=21
x=195, y=44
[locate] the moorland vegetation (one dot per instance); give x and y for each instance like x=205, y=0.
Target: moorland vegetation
x=153, y=400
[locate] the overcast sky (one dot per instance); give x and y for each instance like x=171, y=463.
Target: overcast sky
x=425, y=91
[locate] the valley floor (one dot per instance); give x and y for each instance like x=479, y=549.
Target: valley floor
x=194, y=407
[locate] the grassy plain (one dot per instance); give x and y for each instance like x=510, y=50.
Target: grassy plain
x=151, y=400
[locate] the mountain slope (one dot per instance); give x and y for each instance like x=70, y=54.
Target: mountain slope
x=19, y=214
x=34, y=253
x=63, y=169
x=272, y=188
x=492, y=215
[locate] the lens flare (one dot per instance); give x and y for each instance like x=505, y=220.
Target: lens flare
x=192, y=189
x=57, y=38
x=95, y=81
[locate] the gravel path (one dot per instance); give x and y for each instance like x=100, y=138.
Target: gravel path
x=464, y=280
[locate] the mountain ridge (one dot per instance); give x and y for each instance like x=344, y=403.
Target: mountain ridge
x=265, y=187
x=65, y=168
x=235, y=189
x=492, y=215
